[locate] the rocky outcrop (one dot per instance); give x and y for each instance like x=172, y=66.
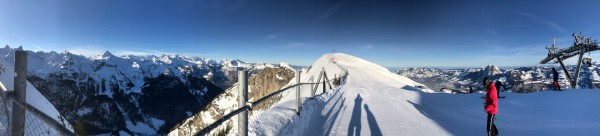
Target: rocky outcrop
x=261, y=83
x=266, y=82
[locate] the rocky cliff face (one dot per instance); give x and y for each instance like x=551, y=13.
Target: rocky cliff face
x=261, y=83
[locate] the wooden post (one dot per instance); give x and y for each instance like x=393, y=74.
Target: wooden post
x=242, y=99
x=17, y=127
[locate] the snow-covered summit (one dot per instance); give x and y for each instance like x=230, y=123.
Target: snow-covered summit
x=357, y=67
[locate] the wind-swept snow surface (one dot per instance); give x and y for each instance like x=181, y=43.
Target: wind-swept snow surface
x=377, y=102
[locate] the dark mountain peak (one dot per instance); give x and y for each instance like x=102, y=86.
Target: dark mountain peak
x=107, y=54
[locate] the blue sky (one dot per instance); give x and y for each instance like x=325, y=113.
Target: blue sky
x=389, y=33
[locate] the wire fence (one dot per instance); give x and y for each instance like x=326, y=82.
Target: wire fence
x=206, y=130
x=4, y=116
x=340, y=80
x=36, y=122
x=36, y=127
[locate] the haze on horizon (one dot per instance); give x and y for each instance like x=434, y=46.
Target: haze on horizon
x=391, y=33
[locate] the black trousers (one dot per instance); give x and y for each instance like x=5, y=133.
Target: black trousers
x=491, y=127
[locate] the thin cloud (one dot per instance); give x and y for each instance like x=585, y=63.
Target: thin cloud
x=300, y=45
x=135, y=53
x=368, y=47
x=395, y=39
x=272, y=36
x=507, y=60
x=142, y=52
x=515, y=26
x=332, y=10
x=463, y=46
x=26, y=41
x=87, y=51
x=202, y=54
x=546, y=22
x=38, y=47
x=147, y=52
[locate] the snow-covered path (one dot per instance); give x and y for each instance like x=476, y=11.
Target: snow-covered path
x=377, y=102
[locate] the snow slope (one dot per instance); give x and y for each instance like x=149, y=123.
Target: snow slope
x=375, y=101
x=373, y=82
x=34, y=97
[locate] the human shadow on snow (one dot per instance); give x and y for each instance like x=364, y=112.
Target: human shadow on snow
x=355, y=124
x=375, y=130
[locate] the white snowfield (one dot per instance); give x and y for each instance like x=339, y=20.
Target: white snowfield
x=375, y=102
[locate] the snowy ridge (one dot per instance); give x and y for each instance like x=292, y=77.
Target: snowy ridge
x=280, y=120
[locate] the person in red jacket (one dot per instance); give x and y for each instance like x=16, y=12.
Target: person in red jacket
x=491, y=106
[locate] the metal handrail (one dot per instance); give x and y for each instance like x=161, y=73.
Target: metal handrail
x=220, y=121
x=278, y=92
x=206, y=130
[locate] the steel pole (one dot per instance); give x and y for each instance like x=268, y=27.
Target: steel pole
x=17, y=127
x=242, y=99
x=298, y=93
x=578, y=66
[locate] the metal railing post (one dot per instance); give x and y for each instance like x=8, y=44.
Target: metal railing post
x=242, y=99
x=298, y=93
x=335, y=79
x=312, y=86
x=323, y=86
x=17, y=127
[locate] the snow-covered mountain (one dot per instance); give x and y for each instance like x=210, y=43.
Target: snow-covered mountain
x=521, y=79
x=278, y=116
x=330, y=112
x=144, y=95
x=374, y=101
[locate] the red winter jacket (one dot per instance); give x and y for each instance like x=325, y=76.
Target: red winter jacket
x=491, y=100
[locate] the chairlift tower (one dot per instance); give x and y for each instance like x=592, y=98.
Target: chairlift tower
x=580, y=46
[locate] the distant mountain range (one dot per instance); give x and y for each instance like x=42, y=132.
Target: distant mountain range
x=518, y=79
x=137, y=95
